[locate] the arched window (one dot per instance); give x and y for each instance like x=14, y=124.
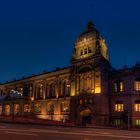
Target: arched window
x=81, y=52
x=31, y=90
x=89, y=49
x=51, y=110
x=52, y=90
x=65, y=88
x=85, y=51
x=39, y=91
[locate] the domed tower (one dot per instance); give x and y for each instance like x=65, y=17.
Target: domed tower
x=89, y=44
x=89, y=77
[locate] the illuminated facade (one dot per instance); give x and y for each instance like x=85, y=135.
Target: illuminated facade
x=90, y=91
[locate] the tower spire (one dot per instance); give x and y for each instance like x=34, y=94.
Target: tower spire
x=90, y=12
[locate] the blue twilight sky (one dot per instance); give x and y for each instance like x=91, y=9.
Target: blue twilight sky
x=37, y=35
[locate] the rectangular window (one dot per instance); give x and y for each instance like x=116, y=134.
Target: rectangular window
x=115, y=87
x=118, y=86
x=137, y=85
x=0, y=109
x=117, y=122
x=119, y=107
x=64, y=107
x=137, y=122
x=137, y=107
x=27, y=108
x=121, y=86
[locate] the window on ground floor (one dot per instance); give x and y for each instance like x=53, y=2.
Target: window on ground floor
x=51, y=109
x=117, y=122
x=37, y=107
x=27, y=108
x=64, y=107
x=137, y=122
x=16, y=109
x=7, y=109
x=0, y=109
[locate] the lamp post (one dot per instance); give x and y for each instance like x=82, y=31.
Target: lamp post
x=128, y=120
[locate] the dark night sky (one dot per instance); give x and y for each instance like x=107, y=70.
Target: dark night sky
x=37, y=35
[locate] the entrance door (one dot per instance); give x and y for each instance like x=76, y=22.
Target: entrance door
x=85, y=116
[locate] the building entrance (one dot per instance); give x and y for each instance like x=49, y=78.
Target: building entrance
x=85, y=116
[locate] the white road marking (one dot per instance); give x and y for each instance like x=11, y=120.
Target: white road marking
x=2, y=126
x=88, y=131
x=101, y=134
x=17, y=133
x=106, y=133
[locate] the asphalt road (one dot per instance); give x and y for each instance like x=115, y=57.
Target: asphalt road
x=37, y=132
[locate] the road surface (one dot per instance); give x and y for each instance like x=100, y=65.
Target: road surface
x=38, y=132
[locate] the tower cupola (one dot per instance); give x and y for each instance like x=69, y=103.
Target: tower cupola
x=90, y=43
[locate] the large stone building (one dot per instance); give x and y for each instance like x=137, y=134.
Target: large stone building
x=90, y=91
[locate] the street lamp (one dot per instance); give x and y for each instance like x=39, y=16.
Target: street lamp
x=128, y=119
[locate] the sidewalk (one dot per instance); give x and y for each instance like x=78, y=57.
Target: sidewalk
x=36, y=121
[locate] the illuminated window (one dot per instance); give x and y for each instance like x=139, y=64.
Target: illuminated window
x=16, y=109
x=37, y=108
x=121, y=86
x=7, y=109
x=137, y=122
x=97, y=89
x=0, y=109
x=64, y=107
x=118, y=86
x=27, y=108
x=137, y=85
x=137, y=106
x=97, y=84
x=119, y=107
